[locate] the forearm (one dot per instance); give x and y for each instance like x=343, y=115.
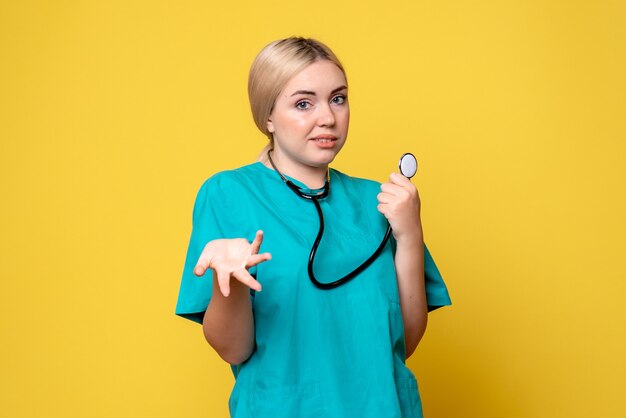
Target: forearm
x=409, y=263
x=229, y=324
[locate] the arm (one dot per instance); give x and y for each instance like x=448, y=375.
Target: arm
x=228, y=323
x=400, y=204
x=409, y=262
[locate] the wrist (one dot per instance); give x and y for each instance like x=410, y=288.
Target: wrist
x=414, y=236
x=415, y=239
x=238, y=291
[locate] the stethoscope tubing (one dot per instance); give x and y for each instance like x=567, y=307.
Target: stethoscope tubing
x=356, y=271
x=320, y=233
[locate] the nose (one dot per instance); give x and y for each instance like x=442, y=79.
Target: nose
x=326, y=116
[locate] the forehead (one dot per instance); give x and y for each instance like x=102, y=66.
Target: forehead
x=320, y=76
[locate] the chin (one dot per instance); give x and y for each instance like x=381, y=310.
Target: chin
x=323, y=161
x=327, y=156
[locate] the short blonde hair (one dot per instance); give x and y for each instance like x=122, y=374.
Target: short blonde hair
x=273, y=67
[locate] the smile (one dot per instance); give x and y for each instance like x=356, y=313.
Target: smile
x=323, y=138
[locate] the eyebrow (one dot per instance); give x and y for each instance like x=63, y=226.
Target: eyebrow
x=312, y=93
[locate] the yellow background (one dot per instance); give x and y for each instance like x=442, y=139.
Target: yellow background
x=112, y=113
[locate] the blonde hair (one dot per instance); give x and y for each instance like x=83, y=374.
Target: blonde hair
x=273, y=67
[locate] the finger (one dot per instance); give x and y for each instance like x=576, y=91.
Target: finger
x=393, y=189
x=403, y=182
x=202, y=266
x=246, y=278
x=258, y=259
x=386, y=198
x=399, y=179
x=223, y=281
x=199, y=270
x=382, y=208
x=256, y=244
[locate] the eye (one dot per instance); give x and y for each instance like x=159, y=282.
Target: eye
x=339, y=99
x=303, y=105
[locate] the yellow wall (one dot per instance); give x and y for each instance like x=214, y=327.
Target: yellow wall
x=112, y=113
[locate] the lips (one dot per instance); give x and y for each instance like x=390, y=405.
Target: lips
x=325, y=141
x=324, y=138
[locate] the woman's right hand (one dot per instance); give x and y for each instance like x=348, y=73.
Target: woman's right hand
x=230, y=258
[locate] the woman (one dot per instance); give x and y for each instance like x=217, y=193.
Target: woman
x=297, y=350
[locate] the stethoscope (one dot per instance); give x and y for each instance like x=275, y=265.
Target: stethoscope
x=408, y=168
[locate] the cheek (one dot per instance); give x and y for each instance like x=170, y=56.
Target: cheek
x=294, y=123
x=344, y=118
x=297, y=122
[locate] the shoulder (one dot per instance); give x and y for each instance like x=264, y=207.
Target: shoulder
x=225, y=189
x=228, y=181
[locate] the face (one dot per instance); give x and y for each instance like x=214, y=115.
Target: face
x=310, y=118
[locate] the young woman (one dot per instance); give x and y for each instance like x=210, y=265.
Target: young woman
x=298, y=350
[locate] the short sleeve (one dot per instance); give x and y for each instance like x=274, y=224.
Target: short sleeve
x=214, y=217
x=436, y=289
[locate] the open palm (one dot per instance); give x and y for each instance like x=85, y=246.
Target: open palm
x=230, y=258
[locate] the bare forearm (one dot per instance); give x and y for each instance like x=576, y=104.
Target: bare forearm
x=409, y=262
x=229, y=324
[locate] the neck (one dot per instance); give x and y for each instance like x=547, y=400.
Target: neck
x=312, y=177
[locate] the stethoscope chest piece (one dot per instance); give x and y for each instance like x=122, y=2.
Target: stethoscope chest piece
x=408, y=165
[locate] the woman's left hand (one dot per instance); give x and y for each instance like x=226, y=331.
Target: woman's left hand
x=400, y=203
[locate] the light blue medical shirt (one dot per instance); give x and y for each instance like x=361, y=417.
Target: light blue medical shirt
x=319, y=353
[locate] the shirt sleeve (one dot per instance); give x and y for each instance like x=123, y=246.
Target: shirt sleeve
x=215, y=216
x=436, y=290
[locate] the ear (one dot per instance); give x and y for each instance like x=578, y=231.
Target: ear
x=270, y=126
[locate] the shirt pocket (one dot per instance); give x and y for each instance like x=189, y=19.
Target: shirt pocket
x=297, y=400
x=408, y=394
